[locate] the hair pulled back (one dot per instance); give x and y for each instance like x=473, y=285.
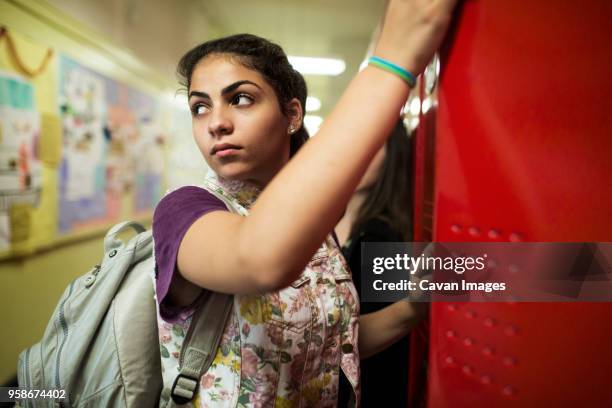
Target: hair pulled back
x=260, y=55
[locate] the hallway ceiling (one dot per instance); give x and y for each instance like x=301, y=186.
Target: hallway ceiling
x=314, y=28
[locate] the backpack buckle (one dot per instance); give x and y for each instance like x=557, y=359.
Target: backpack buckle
x=184, y=389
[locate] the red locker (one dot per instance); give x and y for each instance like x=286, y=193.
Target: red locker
x=517, y=146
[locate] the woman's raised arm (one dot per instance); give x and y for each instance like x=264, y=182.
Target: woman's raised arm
x=303, y=202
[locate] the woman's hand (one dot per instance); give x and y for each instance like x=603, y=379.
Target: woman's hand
x=383, y=328
x=413, y=30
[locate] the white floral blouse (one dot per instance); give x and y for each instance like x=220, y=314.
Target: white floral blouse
x=284, y=348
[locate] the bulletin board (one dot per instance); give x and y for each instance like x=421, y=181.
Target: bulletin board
x=83, y=136
x=20, y=166
x=112, y=143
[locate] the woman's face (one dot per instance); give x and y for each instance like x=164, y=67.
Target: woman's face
x=237, y=121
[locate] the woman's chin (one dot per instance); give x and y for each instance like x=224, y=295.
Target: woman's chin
x=232, y=172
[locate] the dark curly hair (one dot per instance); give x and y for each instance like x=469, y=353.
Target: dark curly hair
x=260, y=55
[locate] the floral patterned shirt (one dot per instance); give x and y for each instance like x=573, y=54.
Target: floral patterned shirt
x=280, y=349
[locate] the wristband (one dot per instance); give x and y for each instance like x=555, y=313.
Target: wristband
x=394, y=69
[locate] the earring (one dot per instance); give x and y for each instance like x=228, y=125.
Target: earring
x=291, y=129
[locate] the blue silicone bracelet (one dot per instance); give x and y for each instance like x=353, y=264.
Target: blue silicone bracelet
x=394, y=69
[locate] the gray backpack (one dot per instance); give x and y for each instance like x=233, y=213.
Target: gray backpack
x=101, y=345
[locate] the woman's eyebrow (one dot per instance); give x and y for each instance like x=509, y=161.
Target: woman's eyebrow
x=232, y=87
x=198, y=93
x=224, y=91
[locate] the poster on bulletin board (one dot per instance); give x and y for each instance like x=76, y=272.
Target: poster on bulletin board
x=20, y=166
x=112, y=143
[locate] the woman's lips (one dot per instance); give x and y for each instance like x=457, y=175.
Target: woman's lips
x=224, y=149
x=226, y=152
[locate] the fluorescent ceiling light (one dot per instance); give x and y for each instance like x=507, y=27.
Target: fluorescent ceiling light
x=426, y=104
x=415, y=106
x=414, y=123
x=312, y=123
x=313, y=104
x=317, y=66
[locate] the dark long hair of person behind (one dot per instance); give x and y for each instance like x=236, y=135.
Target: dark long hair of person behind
x=390, y=196
x=384, y=216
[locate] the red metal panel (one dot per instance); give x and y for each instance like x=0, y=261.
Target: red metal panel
x=524, y=153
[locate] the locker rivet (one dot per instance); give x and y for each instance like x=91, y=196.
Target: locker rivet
x=470, y=314
x=511, y=330
x=474, y=231
x=515, y=237
x=489, y=322
x=451, y=308
x=488, y=351
x=467, y=369
x=491, y=264
x=494, y=234
x=485, y=379
x=451, y=334
x=449, y=360
x=509, y=391
x=513, y=268
x=509, y=361
x=468, y=341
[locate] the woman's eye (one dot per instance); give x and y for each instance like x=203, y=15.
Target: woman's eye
x=242, y=99
x=199, y=109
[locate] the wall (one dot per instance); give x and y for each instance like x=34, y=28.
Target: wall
x=30, y=285
x=158, y=32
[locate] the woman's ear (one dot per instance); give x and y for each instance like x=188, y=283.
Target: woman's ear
x=295, y=114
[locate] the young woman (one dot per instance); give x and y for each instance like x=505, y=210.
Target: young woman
x=295, y=327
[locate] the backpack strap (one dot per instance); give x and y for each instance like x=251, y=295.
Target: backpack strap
x=203, y=336
x=201, y=343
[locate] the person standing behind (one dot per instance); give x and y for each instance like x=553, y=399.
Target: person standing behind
x=380, y=210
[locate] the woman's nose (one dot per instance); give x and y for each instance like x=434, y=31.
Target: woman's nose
x=220, y=123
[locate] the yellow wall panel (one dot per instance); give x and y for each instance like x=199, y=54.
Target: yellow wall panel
x=30, y=285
